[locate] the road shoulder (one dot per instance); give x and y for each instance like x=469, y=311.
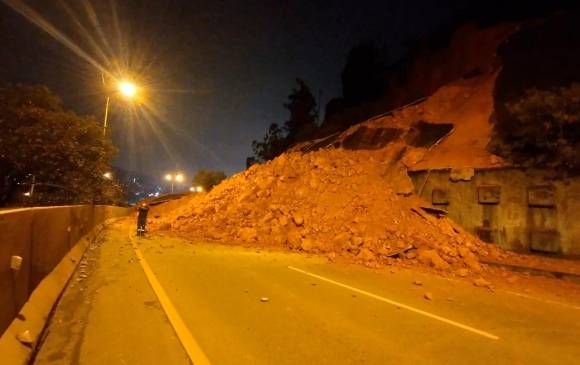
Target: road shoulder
x=109, y=314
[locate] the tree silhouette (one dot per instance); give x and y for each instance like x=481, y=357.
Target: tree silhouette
x=362, y=77
x=61, y=149
x=208, y=179
x=541, y=128
x=300, y=126
x=303, y=114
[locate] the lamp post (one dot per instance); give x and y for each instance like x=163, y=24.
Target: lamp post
x=174, y=178
x=125, y=88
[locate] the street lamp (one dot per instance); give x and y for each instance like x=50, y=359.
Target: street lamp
x=128, y=89
x=178, y=177
x=125, y=88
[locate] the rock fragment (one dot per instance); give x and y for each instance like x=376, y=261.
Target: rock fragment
x=481, y=282
x=432, y=258
x=25, y=337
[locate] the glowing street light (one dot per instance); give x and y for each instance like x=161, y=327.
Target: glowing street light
x=108, y=175
x=126, y=88
x=174, y=178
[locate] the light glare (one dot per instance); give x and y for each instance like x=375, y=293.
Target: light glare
x=127, y=88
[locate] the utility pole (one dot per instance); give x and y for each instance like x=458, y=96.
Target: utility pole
x=32, y=184
x=106, y=116
x=106, y=107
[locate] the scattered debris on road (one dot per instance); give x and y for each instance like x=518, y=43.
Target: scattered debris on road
x=481, y=282
x=25, y=337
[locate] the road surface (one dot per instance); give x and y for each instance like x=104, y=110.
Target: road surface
x=160, y=300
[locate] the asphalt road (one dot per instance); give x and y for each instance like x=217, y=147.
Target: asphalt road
x=235, y=305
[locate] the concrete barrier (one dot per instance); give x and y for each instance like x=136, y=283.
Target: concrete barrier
x=42, y=237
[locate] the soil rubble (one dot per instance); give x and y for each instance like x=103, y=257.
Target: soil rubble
x=355, y=204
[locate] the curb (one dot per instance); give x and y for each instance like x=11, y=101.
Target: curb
x=535, y=271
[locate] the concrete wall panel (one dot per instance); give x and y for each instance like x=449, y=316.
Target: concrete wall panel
x=15, y=239
x=512, y=221
x=42, y=237
x=50, y=241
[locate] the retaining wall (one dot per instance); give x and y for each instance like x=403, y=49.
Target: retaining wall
x=520, y=210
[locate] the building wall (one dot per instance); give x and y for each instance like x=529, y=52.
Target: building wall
x=520, y=210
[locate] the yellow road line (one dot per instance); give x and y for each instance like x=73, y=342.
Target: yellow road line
x=191, y=346
x=401, y=305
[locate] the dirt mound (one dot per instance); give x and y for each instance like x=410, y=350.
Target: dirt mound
x=356, y=204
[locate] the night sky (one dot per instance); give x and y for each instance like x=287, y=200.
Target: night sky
x=217, y=72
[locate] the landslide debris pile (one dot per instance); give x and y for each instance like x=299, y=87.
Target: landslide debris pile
x=354, y=204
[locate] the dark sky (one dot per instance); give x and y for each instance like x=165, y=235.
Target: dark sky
x=217, y=72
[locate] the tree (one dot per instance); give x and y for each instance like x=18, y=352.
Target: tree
x=66, y=154
x=541, y=128
x=303, y=114
x=362, y=77
x=299, y=127
x=273, y=144
x=208, y=179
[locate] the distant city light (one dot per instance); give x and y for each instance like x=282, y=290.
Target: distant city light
x=108, y=175
x=27, y=193
x=179, y=177
x=168, y=177
x=196, y=189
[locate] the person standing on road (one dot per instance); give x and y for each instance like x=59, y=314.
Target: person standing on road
x=142, y=219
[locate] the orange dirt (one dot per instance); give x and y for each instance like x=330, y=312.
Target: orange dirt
x=357, y=204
